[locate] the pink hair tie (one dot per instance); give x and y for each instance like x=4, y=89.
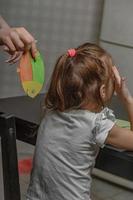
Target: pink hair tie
x=71, y=52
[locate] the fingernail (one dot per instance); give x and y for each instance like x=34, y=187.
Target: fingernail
x=7, y=61
x=18, y=70
x=35, y=54
x=115, y=94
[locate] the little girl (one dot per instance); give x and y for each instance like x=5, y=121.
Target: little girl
x=77, y=123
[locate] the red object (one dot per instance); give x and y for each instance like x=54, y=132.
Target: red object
x=71, y=52
x=25, y=166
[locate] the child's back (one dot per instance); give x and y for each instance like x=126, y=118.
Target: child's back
x=65, y=154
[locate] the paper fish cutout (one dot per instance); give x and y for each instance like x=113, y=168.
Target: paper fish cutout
x=31, y=72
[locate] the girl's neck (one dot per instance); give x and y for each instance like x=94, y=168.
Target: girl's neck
x=93, y=107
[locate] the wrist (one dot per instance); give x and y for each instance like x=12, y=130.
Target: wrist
x=128, y=100
x=3, y=23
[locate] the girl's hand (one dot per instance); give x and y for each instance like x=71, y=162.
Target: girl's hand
x=121, y=88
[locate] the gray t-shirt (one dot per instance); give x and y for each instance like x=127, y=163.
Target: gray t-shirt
x=66, y=149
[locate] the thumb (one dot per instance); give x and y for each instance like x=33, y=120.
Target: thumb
x=34, y=49
x=123, y=82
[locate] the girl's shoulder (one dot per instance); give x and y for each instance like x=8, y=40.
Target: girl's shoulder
x=106, y=113
x=104, y=121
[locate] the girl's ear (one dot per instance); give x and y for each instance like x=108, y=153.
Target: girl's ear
x=103, y=92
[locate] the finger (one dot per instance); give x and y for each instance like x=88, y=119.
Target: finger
x=11, y=58
x=14, y=58
x=5, y=48
x=33, y=49
x=25, y=36
x=18, y=43
x=17, y=58
x=123, y=82
x=10, y=45
x=117, y=75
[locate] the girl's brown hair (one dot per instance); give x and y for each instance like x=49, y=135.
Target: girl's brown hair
x=77, y=80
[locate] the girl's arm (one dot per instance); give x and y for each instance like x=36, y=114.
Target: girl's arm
x=121, y=137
